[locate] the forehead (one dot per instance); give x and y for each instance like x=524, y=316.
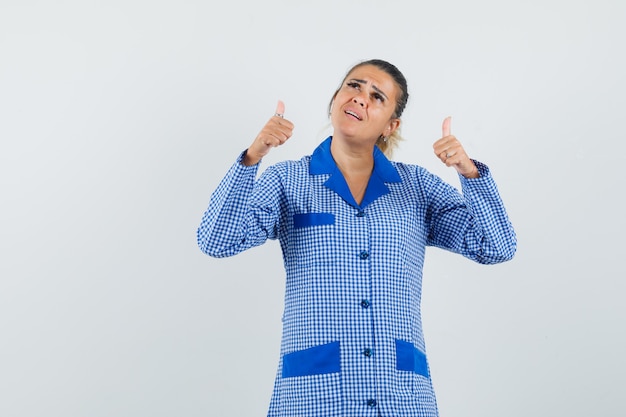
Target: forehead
x=374, y=75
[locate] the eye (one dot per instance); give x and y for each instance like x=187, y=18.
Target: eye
x=378, y=97
x=353, y=84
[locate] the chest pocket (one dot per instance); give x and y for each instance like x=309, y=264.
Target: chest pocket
x=312, y=219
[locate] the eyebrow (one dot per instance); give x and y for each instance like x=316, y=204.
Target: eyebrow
x=378, y=90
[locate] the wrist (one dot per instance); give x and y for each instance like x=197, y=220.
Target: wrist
x=473, y=174
x=250, y=159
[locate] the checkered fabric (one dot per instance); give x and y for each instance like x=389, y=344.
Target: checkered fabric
x=352, y=340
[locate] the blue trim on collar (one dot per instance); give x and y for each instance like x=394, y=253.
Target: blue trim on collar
x=322, y=162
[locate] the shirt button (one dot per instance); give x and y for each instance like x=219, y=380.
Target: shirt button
x=365, y=303
x=364, y=255
x=367, y=352
x=361, y=213
x=371, y=403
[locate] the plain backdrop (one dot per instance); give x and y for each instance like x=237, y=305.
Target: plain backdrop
x=119, y=118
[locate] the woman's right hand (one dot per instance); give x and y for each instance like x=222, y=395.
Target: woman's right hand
x=275, y=132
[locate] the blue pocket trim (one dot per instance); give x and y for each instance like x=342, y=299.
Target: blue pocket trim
x=312, y=219
x=410, y=358
x=323, y=359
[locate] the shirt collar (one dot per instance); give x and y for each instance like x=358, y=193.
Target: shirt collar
x=322, y=162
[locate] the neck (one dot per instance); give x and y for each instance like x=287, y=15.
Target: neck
x=352, y=160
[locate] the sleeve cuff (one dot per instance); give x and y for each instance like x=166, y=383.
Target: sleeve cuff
x=483, y=172
x=240, y=158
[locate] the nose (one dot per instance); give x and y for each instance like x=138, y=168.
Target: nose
x=359, y=100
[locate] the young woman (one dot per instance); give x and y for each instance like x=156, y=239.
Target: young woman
x=353, y=227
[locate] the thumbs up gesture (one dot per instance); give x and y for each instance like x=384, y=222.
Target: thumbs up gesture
x=275, y=132
x=451, y=153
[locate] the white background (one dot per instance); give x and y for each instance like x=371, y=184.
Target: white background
x=118, y=119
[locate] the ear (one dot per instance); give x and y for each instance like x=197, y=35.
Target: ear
x=393, y=125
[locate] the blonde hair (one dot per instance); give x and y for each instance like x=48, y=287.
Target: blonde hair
x=390, y=143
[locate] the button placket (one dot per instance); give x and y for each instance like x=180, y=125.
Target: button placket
x=366, y=349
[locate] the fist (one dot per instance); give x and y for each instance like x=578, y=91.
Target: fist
x=450, y=151
x=276, y=131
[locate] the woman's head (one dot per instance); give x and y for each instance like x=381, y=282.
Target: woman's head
x=387, y=98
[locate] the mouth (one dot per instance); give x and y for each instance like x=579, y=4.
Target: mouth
x=353, y=114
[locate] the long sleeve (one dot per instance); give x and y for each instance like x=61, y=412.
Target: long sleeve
x=475, y=223
x=353, y=343
x=242, y=212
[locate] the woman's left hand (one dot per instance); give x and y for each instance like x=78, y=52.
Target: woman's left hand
x=451, y=153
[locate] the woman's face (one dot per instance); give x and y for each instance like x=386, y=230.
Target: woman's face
x=364, y=105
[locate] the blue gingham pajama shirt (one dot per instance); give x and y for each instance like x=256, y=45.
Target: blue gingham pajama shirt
x=352, y=340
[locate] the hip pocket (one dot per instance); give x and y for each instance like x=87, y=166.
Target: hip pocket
x=409, y=358
x=318, y=360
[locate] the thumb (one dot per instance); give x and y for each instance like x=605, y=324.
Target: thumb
x=446, y=126
x=280, y=109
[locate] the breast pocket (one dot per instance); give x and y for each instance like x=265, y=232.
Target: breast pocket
x=312, y=237
x=302, y=220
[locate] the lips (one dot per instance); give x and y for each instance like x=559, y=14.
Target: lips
x=353, y=114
